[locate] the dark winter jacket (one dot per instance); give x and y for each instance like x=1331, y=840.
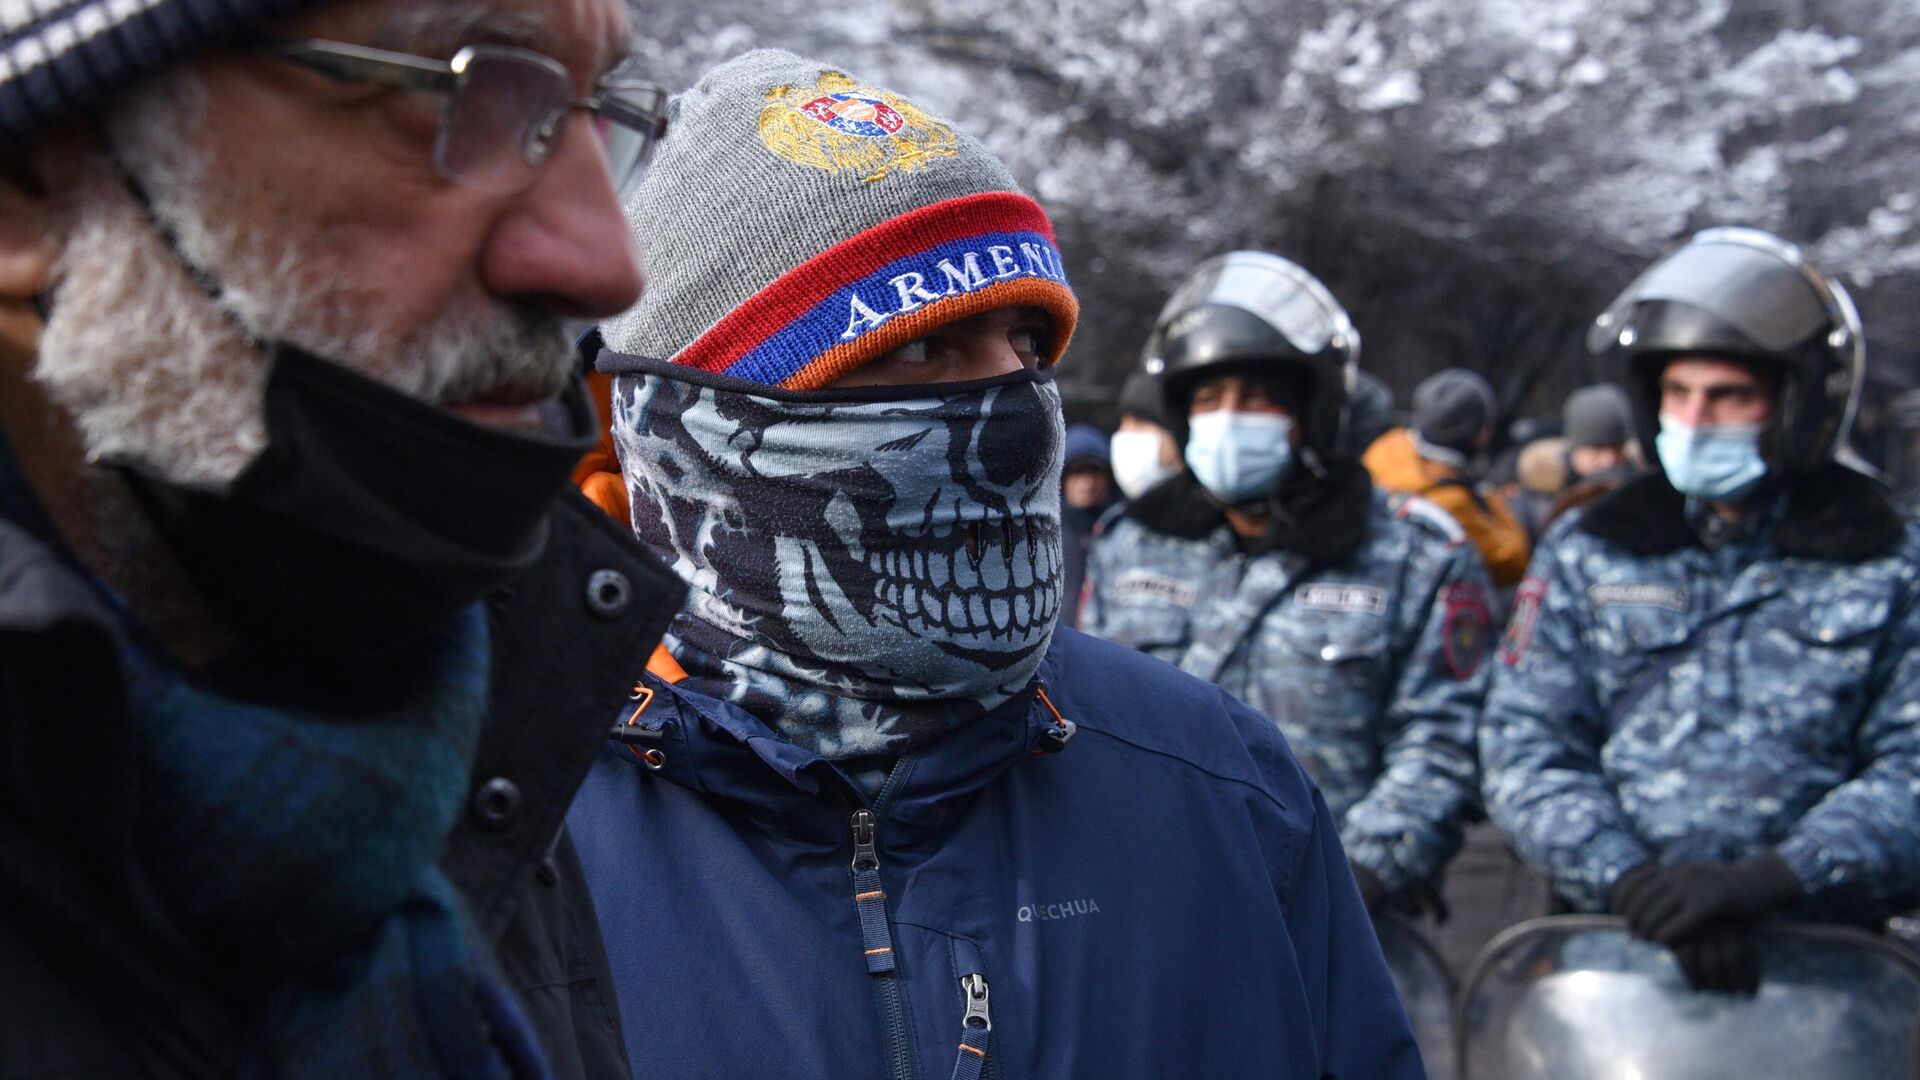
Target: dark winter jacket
x=94, y=979
x=1122, y=870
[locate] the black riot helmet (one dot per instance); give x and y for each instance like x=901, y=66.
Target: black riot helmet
x=1257, y=313
x=1747, y=296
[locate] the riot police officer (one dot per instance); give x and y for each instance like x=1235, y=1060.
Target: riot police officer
x=1356, y=619
x=1708, y=710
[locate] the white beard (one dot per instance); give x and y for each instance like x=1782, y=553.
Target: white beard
x=156, y=375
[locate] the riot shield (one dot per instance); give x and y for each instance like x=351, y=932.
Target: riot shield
x=1426, y=988
x=1577, y=998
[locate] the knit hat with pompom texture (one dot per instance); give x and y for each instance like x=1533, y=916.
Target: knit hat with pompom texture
x=798, y=223
x=60, y=58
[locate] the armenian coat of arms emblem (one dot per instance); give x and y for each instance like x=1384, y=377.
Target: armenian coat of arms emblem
x=840, y=126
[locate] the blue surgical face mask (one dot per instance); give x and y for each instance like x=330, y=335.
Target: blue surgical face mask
x=1240, y=456
x=1719, y=462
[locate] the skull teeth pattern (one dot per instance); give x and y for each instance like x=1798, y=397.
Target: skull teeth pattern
x=992, y=582
x=894, y=563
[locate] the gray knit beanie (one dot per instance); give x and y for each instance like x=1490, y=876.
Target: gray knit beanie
x=1452, y=408
x=1597, y=415
x=59, y=59
x=798, y=223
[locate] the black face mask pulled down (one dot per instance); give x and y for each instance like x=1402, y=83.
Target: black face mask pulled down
x=369, y=520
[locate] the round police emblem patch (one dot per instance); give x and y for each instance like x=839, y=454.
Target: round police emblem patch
x=1467, y=633
x=856, y=114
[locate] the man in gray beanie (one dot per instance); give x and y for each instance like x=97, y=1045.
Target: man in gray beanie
x=869, y=806
x=301, y=654
x=1453, y=415
x=1598, y=425
x=1599, y=455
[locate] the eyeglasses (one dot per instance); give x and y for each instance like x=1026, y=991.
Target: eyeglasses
x=504, y=110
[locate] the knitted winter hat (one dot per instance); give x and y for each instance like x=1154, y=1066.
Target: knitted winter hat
x=1452, y=408
x=62, y=57
x=798, y=223
x=1598, y=415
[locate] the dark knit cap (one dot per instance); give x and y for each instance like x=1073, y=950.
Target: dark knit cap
x=60, y=58
x=1452, y=408
x=1598, y=416
x=1142, y=399
x=1369, y=413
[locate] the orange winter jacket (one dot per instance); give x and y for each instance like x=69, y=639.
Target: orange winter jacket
x=1395, y=464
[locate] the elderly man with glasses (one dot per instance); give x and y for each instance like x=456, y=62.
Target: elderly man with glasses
x=302, y=652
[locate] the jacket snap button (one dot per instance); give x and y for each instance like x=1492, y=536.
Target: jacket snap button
x=497, y=803
x=609, y=593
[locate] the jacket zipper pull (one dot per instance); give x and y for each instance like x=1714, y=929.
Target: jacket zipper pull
x=975, y=1029
x=865, y=855
x=868, y=896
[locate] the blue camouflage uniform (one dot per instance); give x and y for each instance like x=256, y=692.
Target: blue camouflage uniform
x=1371, y=662
x=1660, y=698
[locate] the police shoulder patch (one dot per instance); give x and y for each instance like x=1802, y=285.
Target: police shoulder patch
x=1467, y=630
x=1415, y=508
x=1526, y=615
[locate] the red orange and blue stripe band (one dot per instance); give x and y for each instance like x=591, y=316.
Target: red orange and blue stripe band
x=887, y=286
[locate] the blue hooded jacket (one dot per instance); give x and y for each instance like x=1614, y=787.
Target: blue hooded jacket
x=1085, y=444
x=1123, y=871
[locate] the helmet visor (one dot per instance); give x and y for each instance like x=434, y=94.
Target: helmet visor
x=1276, y=291
x=1751, y=281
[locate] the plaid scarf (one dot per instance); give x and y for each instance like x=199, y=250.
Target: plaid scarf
x=304, y=843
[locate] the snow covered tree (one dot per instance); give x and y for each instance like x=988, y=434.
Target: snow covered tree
x=1474, y=178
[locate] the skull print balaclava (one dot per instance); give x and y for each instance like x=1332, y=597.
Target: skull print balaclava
x=869, y=567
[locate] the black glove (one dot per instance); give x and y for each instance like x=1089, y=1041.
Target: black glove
x=1373, y=891
x=1671, y=903
x=1427, y=899
x=1721, y=958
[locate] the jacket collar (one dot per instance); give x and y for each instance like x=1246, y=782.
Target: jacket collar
x=1323, y=518
x=721, y=751
x=1832, y=513
x=58, y=768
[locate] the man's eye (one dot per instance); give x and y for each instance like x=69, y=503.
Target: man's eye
x=1028, y=341
x=910, y=354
